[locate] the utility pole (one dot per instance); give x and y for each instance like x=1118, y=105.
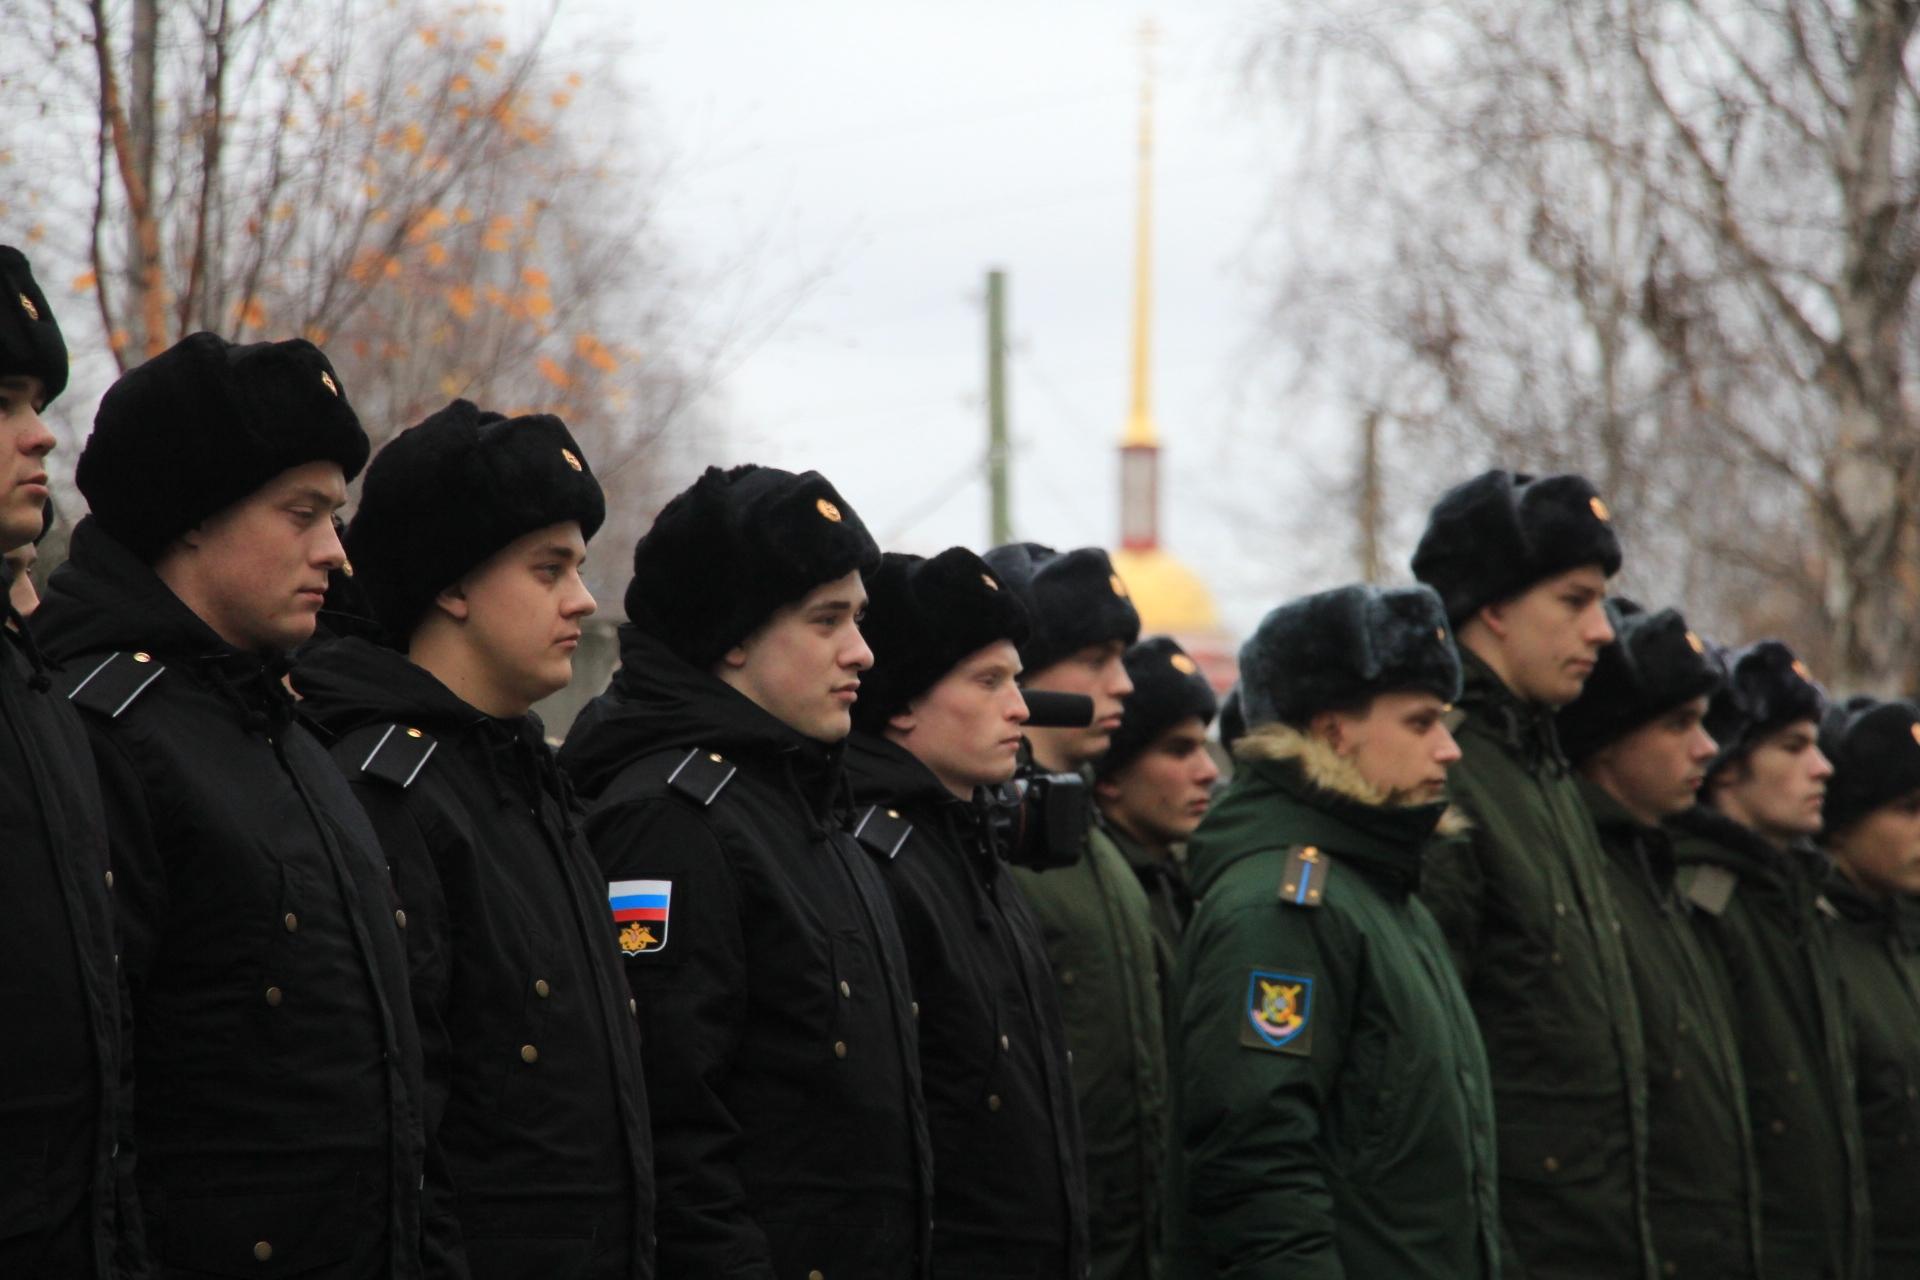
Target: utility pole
x=999, y=495
x=1370, y=497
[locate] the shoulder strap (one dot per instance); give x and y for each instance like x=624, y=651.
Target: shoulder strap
x=112, y=687
x=701, y=776
x=883, y=832
x=1304, y=882
x=1708, y=887
x=395, y=753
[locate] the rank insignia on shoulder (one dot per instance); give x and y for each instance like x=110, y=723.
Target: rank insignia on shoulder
x=1708, y=887
x=883, y=831
x=640, y=912
x=111, y=687
x=1278, y=1013
x=399, y=755
x=701, y=776
x=1305, y=880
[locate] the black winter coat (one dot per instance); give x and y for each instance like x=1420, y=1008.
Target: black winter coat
x=1009, y=1168
x=60, y=1000
x=534, y=1094
x=783, y=1072
x=274, y=1055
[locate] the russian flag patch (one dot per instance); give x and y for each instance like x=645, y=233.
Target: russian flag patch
x=640, y=910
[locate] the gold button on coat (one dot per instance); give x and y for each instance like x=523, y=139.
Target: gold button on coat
x=1551, y=1164
x=816, y=1275
x=400, y=918
x=292, y=922
x=839, y=1048
x=109, y=879
x=541, y=989
x=845, y=990
x=263, y=1251
x=529, y=1054
x=1005, y=1044
x=273, y=996
x=993, y=1102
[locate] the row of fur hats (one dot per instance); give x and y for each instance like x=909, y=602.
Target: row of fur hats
x=1654, y=664
x=1874, y=747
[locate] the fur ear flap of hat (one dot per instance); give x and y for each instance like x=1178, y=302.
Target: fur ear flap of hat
x=735, y=546
x=1233, y=719
x=450, y=491
x=1767, y=689
x=1874, y=746
x=205, y=423
x=30, y=338
x=1168, y=688
x=924, y=617
x=1496, y=535
x=1340, y=648
x=1074, y=599
x=1653, y=665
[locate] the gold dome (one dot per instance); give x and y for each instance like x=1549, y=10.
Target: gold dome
x=1168, y=594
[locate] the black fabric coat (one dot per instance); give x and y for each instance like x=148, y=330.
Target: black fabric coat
x=275, y=1063
x=1877, y=950
x=783, y=1072
x=1009, y=1168
x=549, y=1159
x=1775, y=934
x=61, y=999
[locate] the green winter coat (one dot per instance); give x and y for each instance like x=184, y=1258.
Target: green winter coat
x=1764, y=913
x=1877, y=950
x=1100, y=940
x=1703, y=1187
x=1524, y=904
x=1352, y=1137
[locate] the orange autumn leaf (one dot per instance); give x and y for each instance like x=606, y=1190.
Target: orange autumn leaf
x=595, y=353
x=553, y=373
x=460, y=301
x=533, y=277
x=84, y=282
x=436, y=255
x=250, y=314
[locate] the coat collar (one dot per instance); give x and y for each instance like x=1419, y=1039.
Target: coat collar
x=1525, y=730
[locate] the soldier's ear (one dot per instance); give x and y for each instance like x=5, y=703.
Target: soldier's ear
x=904, y=720
x=1327, y=727
x=453, y=602
x=735, y=657
x=1494, y=618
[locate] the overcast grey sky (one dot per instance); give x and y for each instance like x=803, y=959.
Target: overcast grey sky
x=880, y=157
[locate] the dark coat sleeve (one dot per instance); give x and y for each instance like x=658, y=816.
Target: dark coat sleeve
x=692, y=1000
x=1453, y=887
x=1257, y=1187
x=429, y=943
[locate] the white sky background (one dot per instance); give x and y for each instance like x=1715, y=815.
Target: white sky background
x=880, y=157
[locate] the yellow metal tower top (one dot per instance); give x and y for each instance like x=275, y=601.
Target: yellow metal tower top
x=1140, y=426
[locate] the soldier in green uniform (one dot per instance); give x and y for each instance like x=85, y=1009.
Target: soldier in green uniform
x=1747, y=863
x=1522, y=564
x=1635, y=736
x=1156, y=780
x=1872, y=816
x=1332, y=1115
x=1093, y=915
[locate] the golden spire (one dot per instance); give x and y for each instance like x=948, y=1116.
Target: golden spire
x=1140, y=427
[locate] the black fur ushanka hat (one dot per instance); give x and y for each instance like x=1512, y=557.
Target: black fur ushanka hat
x=450, y=491
x=1491, y=538
x=205, y=423
x=1653, y=665
x=1338, y=649
x=30, y=338
x=1767, y=689
x=923, y=618
x=1168, y=687
x=733, y=547
x=1073, y=598
x=1874, y=747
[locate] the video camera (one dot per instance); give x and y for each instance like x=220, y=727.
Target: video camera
x=1040, y=818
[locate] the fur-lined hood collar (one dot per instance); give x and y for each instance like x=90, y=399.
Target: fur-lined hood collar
x=1292, y=789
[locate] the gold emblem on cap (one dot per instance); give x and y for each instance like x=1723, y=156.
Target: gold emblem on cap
x=991, y=584
x=1694, y=643
x=1800, y=669
x=1915, y=728
x=1119, y=587
x=26, y=305
x=828, y=510
x=573, y=459
x=326, y=380
x=1600, y=511
x=1440, y=634
x=1183, y=664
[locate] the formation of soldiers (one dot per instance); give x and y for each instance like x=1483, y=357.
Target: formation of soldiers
x=1532, y=935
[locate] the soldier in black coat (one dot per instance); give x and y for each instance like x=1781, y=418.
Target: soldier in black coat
x=60, y=1151
x=274, y=1056
x=776, y=1024
x=468, y=544
x=938, y=724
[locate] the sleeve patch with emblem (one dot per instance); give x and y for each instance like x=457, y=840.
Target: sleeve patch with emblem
x=640, y=914
x=1278, y=1013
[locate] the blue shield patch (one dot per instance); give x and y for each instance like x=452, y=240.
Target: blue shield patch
x=1278, y=1012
